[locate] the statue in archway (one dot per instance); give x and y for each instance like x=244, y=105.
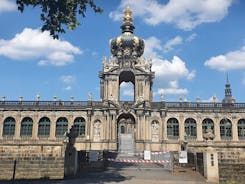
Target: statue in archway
x=97, y=130
x=155, y=131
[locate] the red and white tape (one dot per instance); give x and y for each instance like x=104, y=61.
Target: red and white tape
x=137, y=161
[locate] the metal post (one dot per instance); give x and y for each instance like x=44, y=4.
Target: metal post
x=14, y=172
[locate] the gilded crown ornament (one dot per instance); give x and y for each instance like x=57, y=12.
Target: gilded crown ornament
x=127, y=45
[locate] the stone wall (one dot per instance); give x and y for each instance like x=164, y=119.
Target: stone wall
x=232, y=165
x=32, y=161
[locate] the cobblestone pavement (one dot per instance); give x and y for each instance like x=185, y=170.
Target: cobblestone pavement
x=127, y=176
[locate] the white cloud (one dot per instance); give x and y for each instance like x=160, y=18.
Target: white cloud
x=34, y=44
x=7, y=5
x=234, y=60
x=68, y=88
x=191, y=37
x=212, y=99
x=174, y=69
x=127, y=89
x=172, y=91
x=167, y=73
x=185, y=14
x=68, y=79
x=153, y=44
x=171, y=43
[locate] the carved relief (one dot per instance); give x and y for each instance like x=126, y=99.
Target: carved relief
x=97, y=130
x=155, y=131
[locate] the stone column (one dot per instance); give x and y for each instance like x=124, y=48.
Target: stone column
x=199, y=130
x=146, y=128
x=234, y=130
x=138, y=133
x=17, y=127
x=217, y=129
x=52, y=128
x=1, y=126
x=165, y=129
x=114, y=128
x=70, y=122
x=181, y=127
x=87, y=129
x=35, y=128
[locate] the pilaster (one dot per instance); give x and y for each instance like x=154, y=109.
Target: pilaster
x=181, y=127
x=17, y=127
x=165, y=131
x=1, y=126
x=35, y=127
x=52, y=128
x=199, y=129
x=70, y=121
x=217, y=129
x=234, y=130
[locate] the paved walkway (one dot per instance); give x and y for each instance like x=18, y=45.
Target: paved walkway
x=128, y=176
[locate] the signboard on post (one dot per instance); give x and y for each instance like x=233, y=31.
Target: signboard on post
x=147, y=155
x=183, y=157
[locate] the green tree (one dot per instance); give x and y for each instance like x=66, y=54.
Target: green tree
x=56, y=14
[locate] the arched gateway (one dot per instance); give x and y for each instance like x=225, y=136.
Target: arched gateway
x=126, y=134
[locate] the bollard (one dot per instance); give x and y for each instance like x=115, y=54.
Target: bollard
x=14, y=172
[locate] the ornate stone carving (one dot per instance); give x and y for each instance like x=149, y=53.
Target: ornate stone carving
x=155, y=131
x=97, y=130
x=209, y=135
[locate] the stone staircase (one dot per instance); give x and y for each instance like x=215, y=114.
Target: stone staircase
x=126, y=145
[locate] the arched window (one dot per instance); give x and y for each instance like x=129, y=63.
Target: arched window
x=79, y=125
x=190, y=128
x=241, y=128
x=9, y=126
x=61, y=127
x=44, y=127
x=173, y=128
x=225, y=129
x=26, y=127
x=207, y=123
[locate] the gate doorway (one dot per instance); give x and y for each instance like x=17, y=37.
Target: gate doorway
x=126, y=135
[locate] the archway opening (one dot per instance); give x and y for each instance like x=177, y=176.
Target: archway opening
x=126, y=124
x=126, y=134
x=126, y=86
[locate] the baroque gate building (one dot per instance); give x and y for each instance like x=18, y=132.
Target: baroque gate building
x=126, y=127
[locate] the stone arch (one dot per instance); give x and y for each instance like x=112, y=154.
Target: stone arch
x=173, y=128
x=225, y=129
x=61, y=126
x=126, y=120
x=79, y=126
x=127, y=78
x=9, y=126
x=241, y=128
x=26, y=127
x=207, y=122
x=44, y=127
x=191, y=128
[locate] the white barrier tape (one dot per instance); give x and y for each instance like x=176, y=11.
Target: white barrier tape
x=152, y=153
x=137, y=161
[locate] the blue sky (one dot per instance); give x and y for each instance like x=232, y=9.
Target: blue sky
x=193, y=44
